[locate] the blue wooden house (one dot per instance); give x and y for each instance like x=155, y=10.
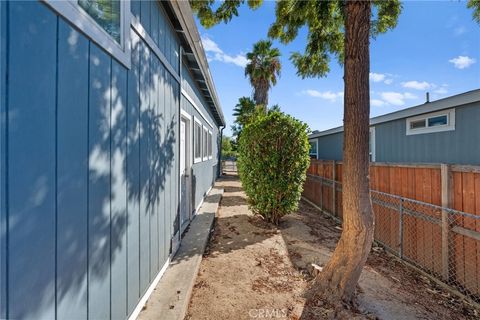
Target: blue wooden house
x=109, y=135
x=441, y=131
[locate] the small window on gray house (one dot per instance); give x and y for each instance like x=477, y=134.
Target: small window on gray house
x=417, y=124
x=205, y=144
x=438, y=121
x=210, y=143
x=313, y=149
x=197, y=138
x=106, y=13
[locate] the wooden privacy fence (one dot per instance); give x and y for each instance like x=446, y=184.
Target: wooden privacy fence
x=427, y=214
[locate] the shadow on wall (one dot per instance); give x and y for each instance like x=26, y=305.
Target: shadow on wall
x=108, y=174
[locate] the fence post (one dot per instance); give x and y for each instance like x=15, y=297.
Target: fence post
x=400, y=231
x=334, y=188
x=445, y=174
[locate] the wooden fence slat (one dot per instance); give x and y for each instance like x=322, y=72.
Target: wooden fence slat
x=458, y=220
x=468, y=193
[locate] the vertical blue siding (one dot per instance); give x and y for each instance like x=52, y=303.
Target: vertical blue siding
x=3, y=159
x=72, y=172
x=133, y=178
x=90, y=224
x=153, y=156
x=99, y=211
x=118, y=196
x=169, y=229
x=144, y=170
x=31, y=196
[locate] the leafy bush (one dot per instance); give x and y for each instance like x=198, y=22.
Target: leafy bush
x=273, y=160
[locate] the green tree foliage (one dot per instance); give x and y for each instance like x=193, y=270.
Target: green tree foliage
x=262, y=70
x=244, y=112
x=272, y=163
x=475, y=5
x=227, y=148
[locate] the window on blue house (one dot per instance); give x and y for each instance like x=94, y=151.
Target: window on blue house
x=106, y=13
x=439, y=121
x=197, y=141
x=313, y=149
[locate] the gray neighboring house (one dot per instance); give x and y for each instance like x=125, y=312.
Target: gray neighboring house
x=441, y=131
x=110, y=138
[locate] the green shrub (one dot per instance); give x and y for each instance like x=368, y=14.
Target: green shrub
x=273, y=160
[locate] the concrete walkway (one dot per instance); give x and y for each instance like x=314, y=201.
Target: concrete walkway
x=169, y=300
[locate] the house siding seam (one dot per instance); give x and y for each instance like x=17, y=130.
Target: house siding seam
x=95, y=214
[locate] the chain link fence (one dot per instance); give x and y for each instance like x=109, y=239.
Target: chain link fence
x=442, y=242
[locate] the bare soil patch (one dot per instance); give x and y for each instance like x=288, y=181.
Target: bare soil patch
x=254, y=270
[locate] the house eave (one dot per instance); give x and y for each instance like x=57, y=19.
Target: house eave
x=441, y=104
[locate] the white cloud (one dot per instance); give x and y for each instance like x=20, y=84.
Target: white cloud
x=380, y=77
x=377, y=103
x=416, y=85
x=215, y=53
x=210, y=46
x=377, y=77
x=327, y=95
x=396, y=98
x=462, y=62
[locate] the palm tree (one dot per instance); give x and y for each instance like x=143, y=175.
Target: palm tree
x=244, y=113
x=263, y=69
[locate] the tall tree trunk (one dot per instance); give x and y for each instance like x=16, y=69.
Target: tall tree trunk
x=260, y=95
x=338, y=280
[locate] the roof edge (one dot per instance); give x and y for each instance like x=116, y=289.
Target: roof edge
x=428, y=107
x=184, y=14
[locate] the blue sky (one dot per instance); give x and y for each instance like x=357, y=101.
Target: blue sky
x=435, y=47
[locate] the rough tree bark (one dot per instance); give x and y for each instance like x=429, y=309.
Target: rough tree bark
x=338, y=280
x=260, y=94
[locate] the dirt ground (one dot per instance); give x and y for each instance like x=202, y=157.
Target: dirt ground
x=253, y=270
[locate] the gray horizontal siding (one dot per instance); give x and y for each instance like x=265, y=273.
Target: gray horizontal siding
x=459, y=146
x=89, y=198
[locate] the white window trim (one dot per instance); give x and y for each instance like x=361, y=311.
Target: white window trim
x=210, y=139
x=195, y=159
x=71, y=11
x=450, y=126
x=316, y=153
x=205, y=148
x=188, y=117
x=372, y=143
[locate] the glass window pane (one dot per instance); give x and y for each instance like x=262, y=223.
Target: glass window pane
x=438, y=121
x=313, y=148
x=198, y=140
x=106, y=13
x=417, y=124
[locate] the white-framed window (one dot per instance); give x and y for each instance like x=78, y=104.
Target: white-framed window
x=314, y=149
x=197, y=141
x=205, y=143
x=107, y=23
x=210, y=145
x=431, y=122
